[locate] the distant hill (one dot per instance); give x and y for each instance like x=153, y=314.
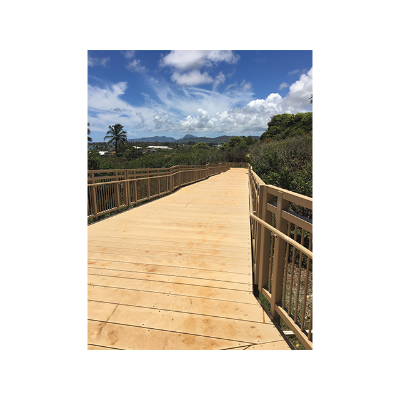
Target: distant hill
x=153, y=139
x=186, y=139
x=219, y=139
x=188, y=136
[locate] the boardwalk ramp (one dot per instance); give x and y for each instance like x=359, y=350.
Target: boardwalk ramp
x=176, y=274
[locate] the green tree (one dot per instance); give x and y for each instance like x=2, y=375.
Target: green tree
x=271, y=132
x=282, y=120
x=236, y=141
x=116, y=134
x=88, y=132
x=249, y=140
x=201, y=145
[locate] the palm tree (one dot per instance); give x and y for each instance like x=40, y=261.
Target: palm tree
x=88, y=132
x=116, y=134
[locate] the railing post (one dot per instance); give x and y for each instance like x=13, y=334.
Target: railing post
x=94, y=200
x=127, y=191
x=148, y=184
x=170, y=179
x=117, y=190
x=135, y=187
x=279, y=257
x=265, y=238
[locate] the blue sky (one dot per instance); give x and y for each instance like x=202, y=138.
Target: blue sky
x=204, y=93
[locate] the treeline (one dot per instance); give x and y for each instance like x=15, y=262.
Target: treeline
x=199, y=154
x=282, y=157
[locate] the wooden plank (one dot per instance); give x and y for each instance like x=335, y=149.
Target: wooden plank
x=219, y=238
x=188, y=247
x=278, y=345
x=246, y=287
x=118, y=249
x=220, y=328
x=179, y=230
x=196, y=242
x=171, y=271
x=172, y=288
x=188, y=304
x=133, y=338
x=168, y=261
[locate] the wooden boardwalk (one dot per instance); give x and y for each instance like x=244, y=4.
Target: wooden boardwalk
x=175, y=273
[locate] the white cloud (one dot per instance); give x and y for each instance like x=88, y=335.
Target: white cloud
x=184, y=60
x=135, y=65
x=192, y=78
x=283, y=85
x=129, y=53
x=93, y=61
x=186, y=65
x=295, y=71
x=245, y=85
x=220, y=78
x=179, y=110
x=299, y=94
x=107, y=105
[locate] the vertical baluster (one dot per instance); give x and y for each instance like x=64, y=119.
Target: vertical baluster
x=310, y=324
x=306, y=286
x=298, y=279
x=292, y=272
x=286, y=267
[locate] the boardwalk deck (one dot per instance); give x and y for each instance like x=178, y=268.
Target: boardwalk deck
x=175, y=273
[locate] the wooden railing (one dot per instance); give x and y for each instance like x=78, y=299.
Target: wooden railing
x=282, y=255
x=111, y=190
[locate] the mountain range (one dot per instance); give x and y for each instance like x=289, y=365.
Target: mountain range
x=187, y=138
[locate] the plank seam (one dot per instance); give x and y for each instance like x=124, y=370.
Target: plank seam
x=165, y=251
x=168, y=294
x=173, y=283
x=157, y=258
x=182, y=333
x=178, y=276
x=175, y=266
x=184, y=312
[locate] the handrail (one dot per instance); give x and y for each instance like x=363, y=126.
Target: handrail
x=111, y=193
x=283, y=236
x=277, y=255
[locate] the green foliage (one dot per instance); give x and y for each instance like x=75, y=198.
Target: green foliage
x=287, y=163
x=249, y=140
x=283, y=126
x=116, y=134
x=88, y=132
x=201, y=145
x=236, y=141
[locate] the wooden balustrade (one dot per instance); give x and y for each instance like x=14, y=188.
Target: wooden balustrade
x=282, y=261
x=111, y=190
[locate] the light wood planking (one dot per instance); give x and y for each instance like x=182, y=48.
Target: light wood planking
x=175, y=273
